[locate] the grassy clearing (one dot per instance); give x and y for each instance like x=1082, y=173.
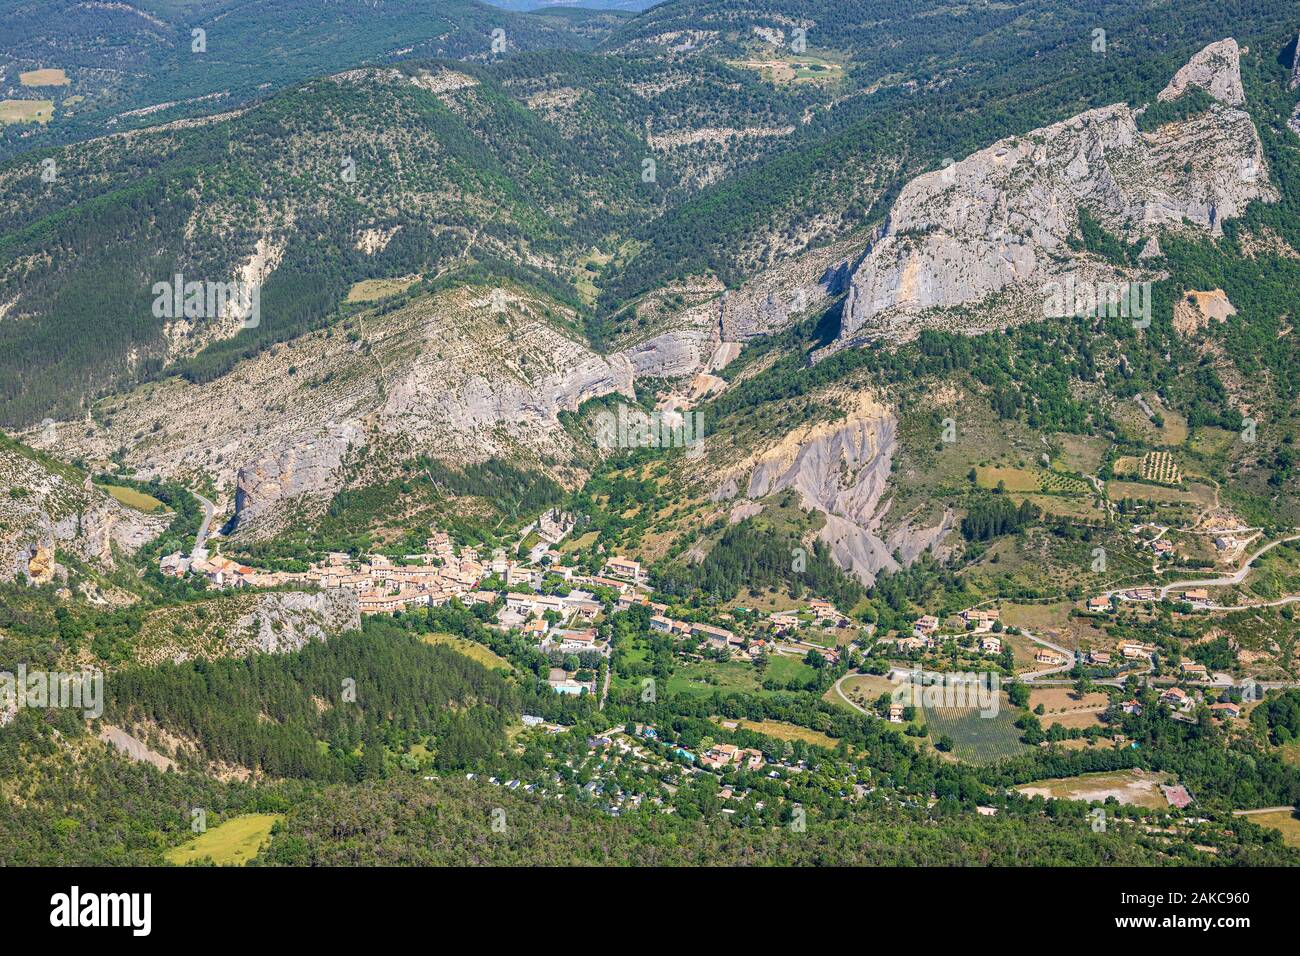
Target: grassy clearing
x=577, y=544
x=1135, y=787
x=589, y=267
x=470, y=649
x=1081, y=453
x=26, y=111
x=1053, y=622
x=1290, y=753
x=232, y=843
x=47, y=77
x=1284, y=821
x=780, y=730
x=862, y=689
x=785, y=669
x=706, y=677
x=138, y=500
x=372, y=290
x=1062, y=506
x=805, y=68
x=1214, y=443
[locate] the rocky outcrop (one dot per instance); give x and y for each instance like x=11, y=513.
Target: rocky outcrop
x=46, y=507
x=307, y=468
x=1196, y=310
x=842, y=470
x=283, y=622
x=1215, y=69
x=673, y=354
x=1295, y=65
x=241, y=623
x=772, y=300
x=996, y=227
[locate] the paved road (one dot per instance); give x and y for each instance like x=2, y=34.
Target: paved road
x=1247, y=813
x=208, y=510
x=1227, y=581
x=1067, y=656
x=844, y=697
x=1235, y=578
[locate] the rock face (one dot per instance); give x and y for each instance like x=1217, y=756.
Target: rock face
x=1295, y=65
x=463, y=375
x=842, y=470
x=1216, y=69
x=1196, y=310
x=995, y=227
x=307, y=468
x=45, y=506
x=774, y=299
x=283, y=622
x=242, y=623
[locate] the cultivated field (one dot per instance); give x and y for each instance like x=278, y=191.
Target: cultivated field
x=1160, y=466
x=49, y=77
x=135, y=499
x=1012, y=479
x=26, y=111
x=1196, y=494
x=977, y=739
x=1056, y=700
x=232, y=843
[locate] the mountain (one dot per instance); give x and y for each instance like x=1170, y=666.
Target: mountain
x=562, y=452
x=999, y=223
x=526, y=172
x=169, y=59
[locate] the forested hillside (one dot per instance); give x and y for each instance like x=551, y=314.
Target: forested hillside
x=158, y=68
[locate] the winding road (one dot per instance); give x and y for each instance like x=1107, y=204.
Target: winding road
x=1066, y=655
x=844, y=697
x=1236, y=577
x=209, y=509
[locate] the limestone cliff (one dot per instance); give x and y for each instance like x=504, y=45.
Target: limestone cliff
x=996, y=227
x=47, y=507
x=243, y=623
x=464, y=375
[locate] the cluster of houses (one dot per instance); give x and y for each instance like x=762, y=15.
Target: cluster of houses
x=218, y=571
x=823, y=612
x=1197, y=597
x=926, y=631
x=721, y=756
x=719, y=638
x=431, y=578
